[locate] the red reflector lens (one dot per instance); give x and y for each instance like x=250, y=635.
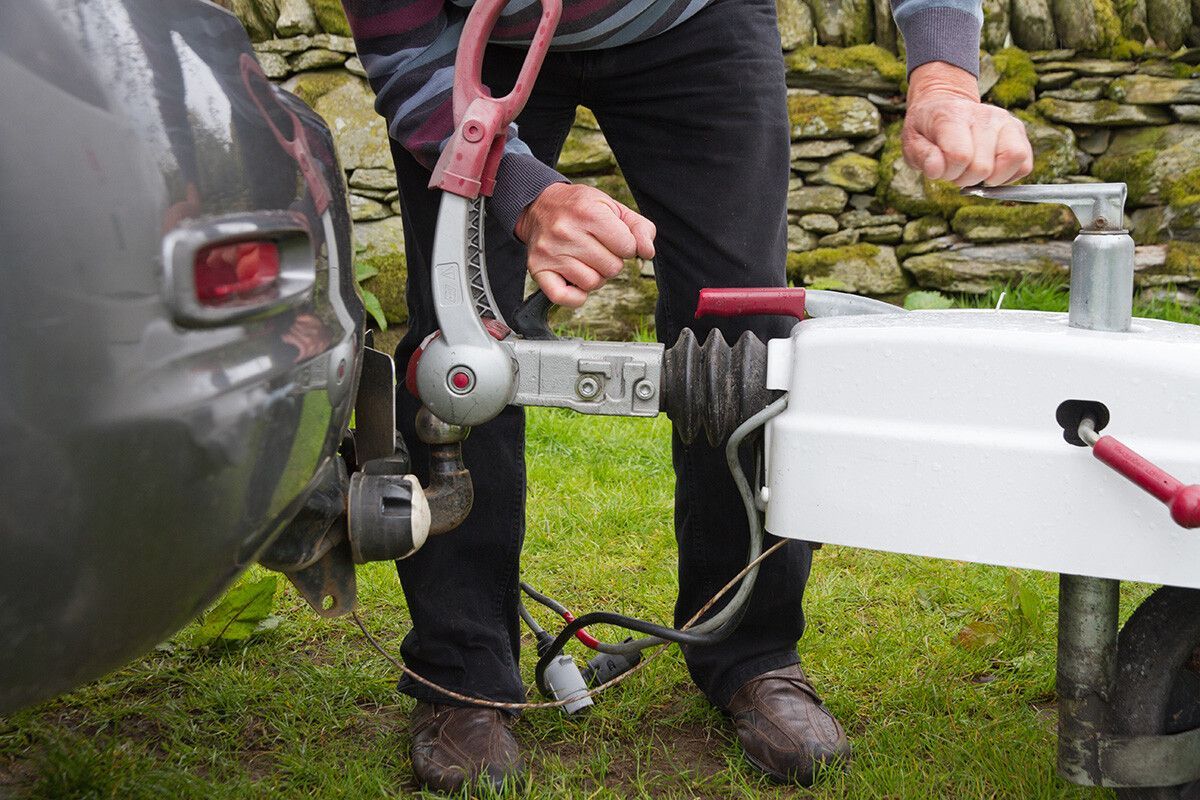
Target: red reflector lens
x=232, y=271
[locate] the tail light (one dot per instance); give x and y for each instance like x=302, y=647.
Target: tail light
x=230, y=272
x=239, y=266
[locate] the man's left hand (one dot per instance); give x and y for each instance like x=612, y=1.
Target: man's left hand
x=950, y=135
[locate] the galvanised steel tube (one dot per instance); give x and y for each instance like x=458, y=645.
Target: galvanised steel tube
x=1087, y=656
x=1101, y=281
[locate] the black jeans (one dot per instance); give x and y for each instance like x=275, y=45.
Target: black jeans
x=697, y=119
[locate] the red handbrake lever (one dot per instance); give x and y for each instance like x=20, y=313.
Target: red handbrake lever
x=1183, y=500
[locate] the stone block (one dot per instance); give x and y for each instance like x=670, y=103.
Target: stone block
x=381, y=245
x=1161, y=165
x=997, y=223
x=295, y=16
x=976, y=269
x=816, y=199
x=347, y=105
x=860, y=268
x=850, y=171
x=1100, y=112
x=860, y=70
x=815, y=117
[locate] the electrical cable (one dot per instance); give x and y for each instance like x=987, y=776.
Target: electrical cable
x=503, y=706
x=725, y=621
x=712, y=630
x=735, y=608
x=529, y=620
x=558, y=608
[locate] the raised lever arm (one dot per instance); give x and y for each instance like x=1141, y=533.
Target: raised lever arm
x=467, y=166
x=1099, y=207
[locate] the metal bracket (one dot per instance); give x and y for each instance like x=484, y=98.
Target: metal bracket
x=610, y=378
x=1099, y=207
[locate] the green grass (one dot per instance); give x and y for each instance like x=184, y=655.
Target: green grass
x=1036, y=295
x=309, y=710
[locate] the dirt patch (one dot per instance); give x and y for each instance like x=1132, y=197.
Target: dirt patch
x=15, y=774
x=670, y=754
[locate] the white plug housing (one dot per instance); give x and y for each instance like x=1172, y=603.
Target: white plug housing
x=566, y=682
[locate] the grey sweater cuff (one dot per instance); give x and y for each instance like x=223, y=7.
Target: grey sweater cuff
x=520, y=179
x=942, y=34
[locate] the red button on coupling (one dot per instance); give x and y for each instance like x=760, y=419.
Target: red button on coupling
x=461, y=380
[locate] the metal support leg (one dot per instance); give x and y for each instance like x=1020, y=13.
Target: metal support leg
x=1087, y=654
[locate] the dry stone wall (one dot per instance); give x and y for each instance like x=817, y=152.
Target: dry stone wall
x=1107, y=91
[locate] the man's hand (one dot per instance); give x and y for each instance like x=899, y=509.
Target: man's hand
x=578, y=238
x=949, y=134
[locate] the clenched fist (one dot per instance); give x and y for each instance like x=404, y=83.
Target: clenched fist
x=949, y=134
x=578, y=238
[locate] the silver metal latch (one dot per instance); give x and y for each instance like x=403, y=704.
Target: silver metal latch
x=1102, y=254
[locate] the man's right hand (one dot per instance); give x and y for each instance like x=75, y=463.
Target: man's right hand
x=578, y=238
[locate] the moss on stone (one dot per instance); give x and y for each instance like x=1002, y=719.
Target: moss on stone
x=1126, y=50
x=892, y=150
x=1018, y=78
x=995, y=223
x=311, y=86
x=390, y=285
x=584, y=118
x=820, y=117
x=585, y=152
x=822, y=260
x=1132, y=162
x=1109, y=25
x=1184, y=191
x=947, y=198
x=853, y=172
x=1132, y=14
x=858, y=57
x=1183, y=258
x=331, y=17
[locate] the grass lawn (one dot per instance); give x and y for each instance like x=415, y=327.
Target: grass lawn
x=944, y=679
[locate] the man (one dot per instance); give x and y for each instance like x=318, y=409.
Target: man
x=691, y=97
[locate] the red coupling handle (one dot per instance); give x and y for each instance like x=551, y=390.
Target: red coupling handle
x=468, y=164
x=750, y=302
x=1182, y=500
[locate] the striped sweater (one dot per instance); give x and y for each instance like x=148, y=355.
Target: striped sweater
x=407, y=48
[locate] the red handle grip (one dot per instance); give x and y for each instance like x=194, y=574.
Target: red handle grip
x=748, y=302
x=467, y=166
x=1184, y=501
x=468, y=63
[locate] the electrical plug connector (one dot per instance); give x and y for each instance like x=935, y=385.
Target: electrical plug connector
x=564, y=678
x=603, y=667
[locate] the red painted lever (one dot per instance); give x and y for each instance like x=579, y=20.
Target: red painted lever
x=748, y=302
x=1184, y=501
x=468, y=164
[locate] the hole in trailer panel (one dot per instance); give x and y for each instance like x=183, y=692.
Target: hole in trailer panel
x=1071, y=412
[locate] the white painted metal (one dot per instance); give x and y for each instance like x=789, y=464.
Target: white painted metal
x=933, y=433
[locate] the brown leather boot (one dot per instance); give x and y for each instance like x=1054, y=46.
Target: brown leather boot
x=456, y=746
x=784, y=728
